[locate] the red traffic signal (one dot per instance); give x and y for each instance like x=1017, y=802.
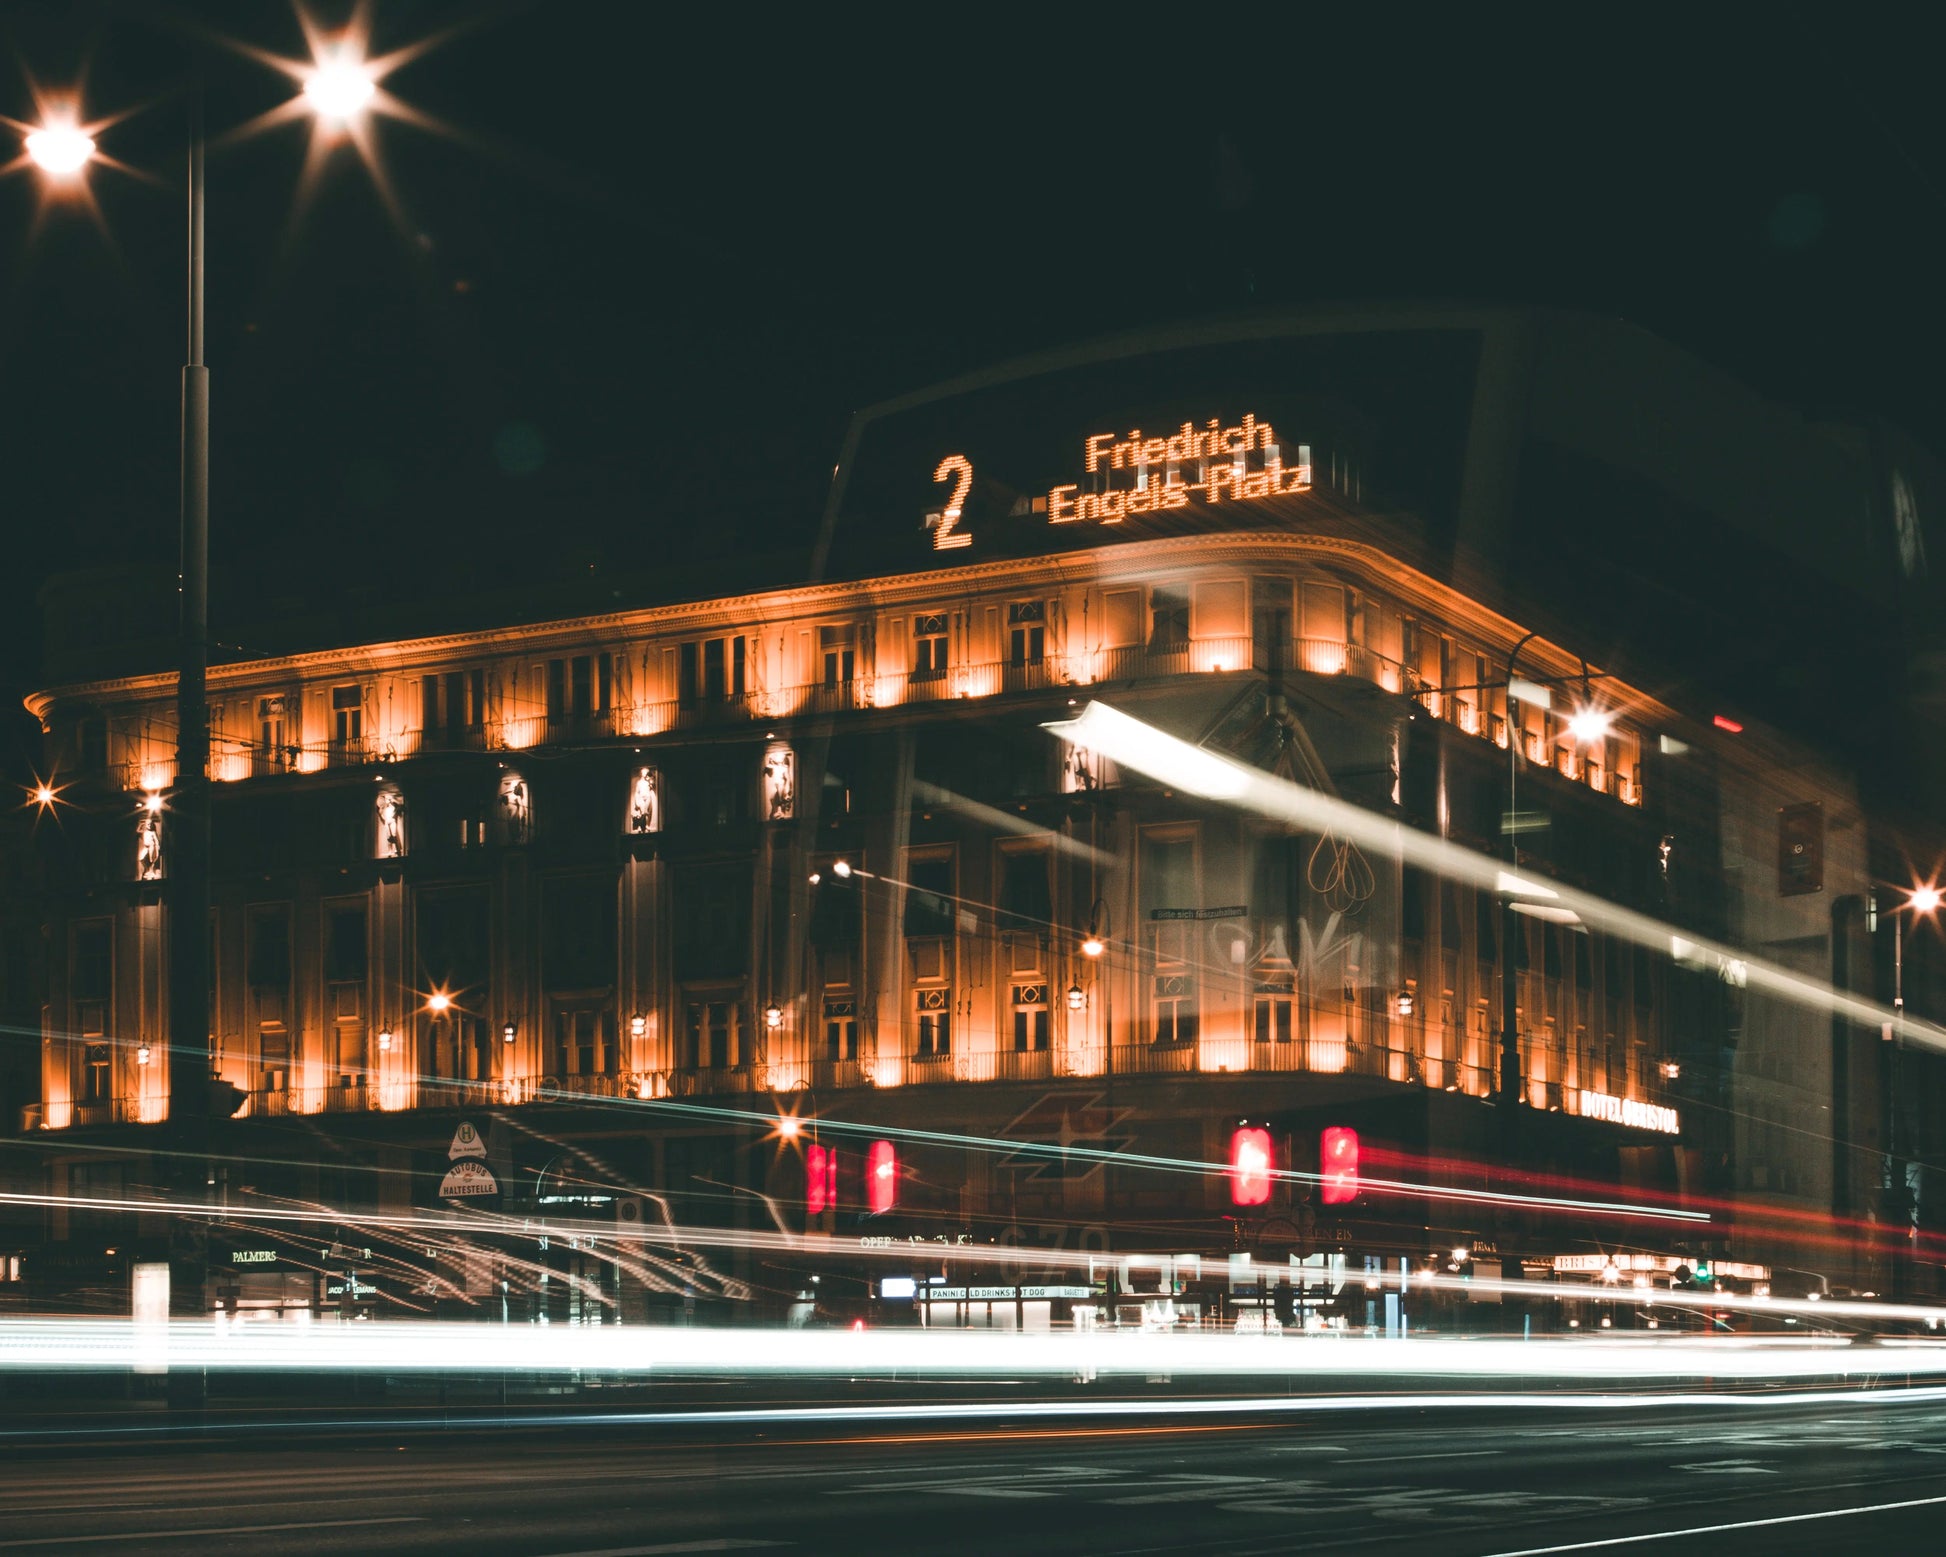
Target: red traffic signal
x=1250, y=1165
x=1338, y=1154
x=882, y=1177
x=820, y=1179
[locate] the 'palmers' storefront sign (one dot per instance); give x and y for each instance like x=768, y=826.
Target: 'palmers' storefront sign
x=1133, y=474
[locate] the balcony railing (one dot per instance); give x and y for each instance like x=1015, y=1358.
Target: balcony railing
x=1462, y=1065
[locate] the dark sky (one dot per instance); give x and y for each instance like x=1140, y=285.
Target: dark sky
x=629, y=284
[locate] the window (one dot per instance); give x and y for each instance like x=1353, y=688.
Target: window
x=93, y=967
x=1026, y=902
x=347, y=715
x=1270, y=623
x=929, y=634
x=1030, y=1018
x=712, y=1035
x=1174, y=1008
x=96, y=1079
x=1167, y=867
x=93, y=743
x=1168, y=619
x=838, y=646
x=711, y=671
x=270, y=730
x=840, y=1030
x=269, y=952
x=584, y=1042
x=934, y=1008
x=557, y=691
x=1272, y=1006
x=456, y=700
x=929, y=896
x=1121, y=611
x=1027, y=624
x=345, y=947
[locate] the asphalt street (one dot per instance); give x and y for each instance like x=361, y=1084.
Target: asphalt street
x=1819, y=1476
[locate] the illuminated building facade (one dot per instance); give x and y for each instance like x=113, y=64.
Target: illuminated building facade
x=628, y=883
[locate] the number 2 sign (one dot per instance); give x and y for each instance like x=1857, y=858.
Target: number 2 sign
x=946, y=534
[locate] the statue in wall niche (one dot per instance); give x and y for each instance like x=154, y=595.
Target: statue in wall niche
x=644, y=803
x=780, y=784
x=517, y=804
x=391, y=825
x=148, y=847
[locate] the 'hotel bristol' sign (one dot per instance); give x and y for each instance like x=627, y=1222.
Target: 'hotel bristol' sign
x=1627, y=1111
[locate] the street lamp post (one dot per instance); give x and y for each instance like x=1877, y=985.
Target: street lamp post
x=1920, y=901
x=1510, y=1092
x=189, y=872
x=338, y=90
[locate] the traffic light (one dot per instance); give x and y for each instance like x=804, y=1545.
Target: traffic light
x=1249, y=1165
x=882, y=1177
x=1338, y=1160
x=820, y=1179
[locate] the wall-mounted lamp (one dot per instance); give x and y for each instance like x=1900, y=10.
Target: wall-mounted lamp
x=638, y=1024
x=841, y=867
x=384, y=1040
x=1077, y=997
x=507, y=1031
x=1405, y=1002
x=1671, y=1070
x=773, y=1016
x=1093, y=946
x=142, y=1054
x=438, y=1001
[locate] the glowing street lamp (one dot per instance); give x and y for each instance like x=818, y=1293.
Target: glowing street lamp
x=1589, y=725
x=339, y=89
x=438, y=1001
x=60, y=150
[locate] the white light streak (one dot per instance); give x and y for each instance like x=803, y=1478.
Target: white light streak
x=1160, y=756
x=53, y=1345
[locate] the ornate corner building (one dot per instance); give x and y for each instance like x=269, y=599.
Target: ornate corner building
x=618, y=892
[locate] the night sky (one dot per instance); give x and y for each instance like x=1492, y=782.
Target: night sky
x=635, y=272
